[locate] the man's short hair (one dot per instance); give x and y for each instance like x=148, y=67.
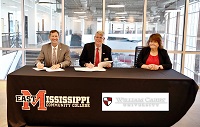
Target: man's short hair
x=53, y=31
x=100, y=32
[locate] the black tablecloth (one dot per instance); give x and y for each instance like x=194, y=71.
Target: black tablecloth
x=182, y=92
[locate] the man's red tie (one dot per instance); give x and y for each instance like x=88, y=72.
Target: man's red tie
x=97, y=57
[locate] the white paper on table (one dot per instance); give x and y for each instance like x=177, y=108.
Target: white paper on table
x=89, y=69
x=53, y=70
x=37, y=69
x=48, y=69
x=104, y=64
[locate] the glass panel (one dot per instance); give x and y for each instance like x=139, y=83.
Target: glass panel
x=82, y=20
x=174, y=21
x=74, y=58
x=123, y=60
x=123, y=30
x=193, y=31
x=155, y=18
x=40, y=18
x=11, y=24
x=124, y=23
x=12, y=61
x=176, y=61
x=30, y=57
x=192, y=68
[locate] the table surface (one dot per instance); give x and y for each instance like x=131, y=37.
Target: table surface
x=182, y=92
x=129, y=73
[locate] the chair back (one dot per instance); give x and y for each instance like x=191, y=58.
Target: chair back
x=137, y=52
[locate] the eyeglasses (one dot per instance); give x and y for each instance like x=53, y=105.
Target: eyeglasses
x=99, y=37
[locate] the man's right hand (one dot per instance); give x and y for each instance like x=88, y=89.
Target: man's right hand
x=40, y=66
x=89, y=65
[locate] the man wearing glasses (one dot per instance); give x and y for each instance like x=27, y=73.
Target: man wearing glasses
x=95, y=52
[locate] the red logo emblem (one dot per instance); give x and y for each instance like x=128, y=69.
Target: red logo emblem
x=27, y=98
x=107, y=100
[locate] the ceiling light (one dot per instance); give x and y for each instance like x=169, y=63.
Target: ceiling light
x=12, y=6
x=121, y=13
x=82, y=16
x=172, y=10
x=80, y=12
x=120, y=17
x=76, y=20
x=115, y=5
x=44, y=2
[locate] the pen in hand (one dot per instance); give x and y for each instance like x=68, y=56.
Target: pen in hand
x=90, y=65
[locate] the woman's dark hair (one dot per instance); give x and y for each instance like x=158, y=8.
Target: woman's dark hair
x=156, y=37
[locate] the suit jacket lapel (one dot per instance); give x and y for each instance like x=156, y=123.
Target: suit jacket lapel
x=102, y=55
x=49, y=54
x=93, y=51
x=59, y=52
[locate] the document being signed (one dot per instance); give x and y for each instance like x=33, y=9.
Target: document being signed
x=48, y=69
x=89, y=69
x=100, y=67
x=104, y=64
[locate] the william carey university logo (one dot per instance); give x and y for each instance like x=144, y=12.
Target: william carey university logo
x=107, y=100
x=51, y=101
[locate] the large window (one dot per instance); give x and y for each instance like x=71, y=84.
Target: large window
x=40, y=17
x=192, y=60
x=127, y=24
x=11, y=37
x=192, y=42
x=11, y=30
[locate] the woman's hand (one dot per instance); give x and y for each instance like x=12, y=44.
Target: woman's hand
x=155, y=67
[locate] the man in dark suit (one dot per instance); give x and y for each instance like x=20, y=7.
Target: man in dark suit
x=55, y=55
x=95, y=52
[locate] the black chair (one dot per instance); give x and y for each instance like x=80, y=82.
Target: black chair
x=137, y=52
